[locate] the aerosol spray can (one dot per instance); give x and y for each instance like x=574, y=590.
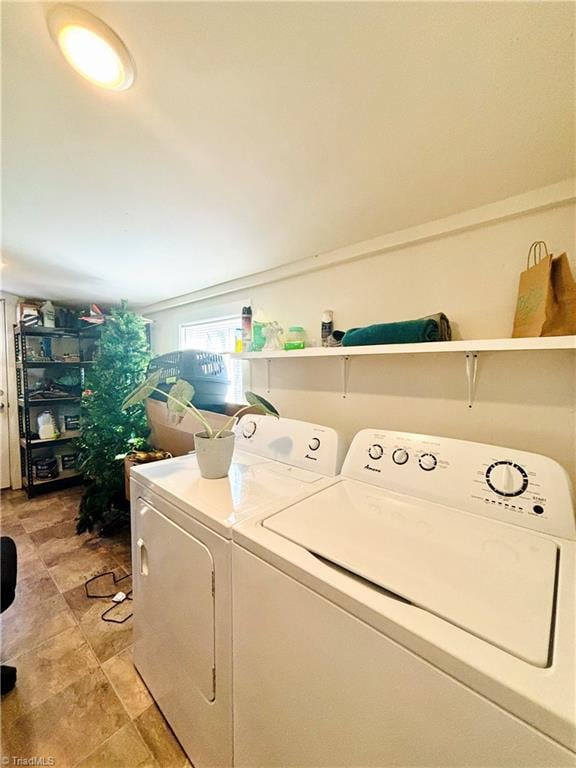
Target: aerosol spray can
x=246, y=328
x=327, y=325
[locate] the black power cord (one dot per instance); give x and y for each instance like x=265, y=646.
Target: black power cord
x=115, y=582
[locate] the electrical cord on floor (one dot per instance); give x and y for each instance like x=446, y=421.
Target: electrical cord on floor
x=117, y=597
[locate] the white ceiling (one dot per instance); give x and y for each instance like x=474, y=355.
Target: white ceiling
x=261, y=133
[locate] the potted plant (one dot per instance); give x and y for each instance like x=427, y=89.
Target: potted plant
x=214, y=448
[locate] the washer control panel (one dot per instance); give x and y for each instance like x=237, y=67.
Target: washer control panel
x=502, y=483
x=298, y=443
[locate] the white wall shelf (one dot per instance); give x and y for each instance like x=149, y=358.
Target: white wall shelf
x=468, y=345
x=470, y=348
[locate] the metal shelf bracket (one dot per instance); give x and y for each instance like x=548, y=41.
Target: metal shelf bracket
x=345, y=375
x=471, y=372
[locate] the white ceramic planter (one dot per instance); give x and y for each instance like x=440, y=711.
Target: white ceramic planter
x=214, y=454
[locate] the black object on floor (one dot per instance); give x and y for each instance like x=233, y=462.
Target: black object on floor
x=8, y=573
x=8, y=680
x=112, y=609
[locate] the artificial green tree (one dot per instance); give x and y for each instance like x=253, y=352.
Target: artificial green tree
x=107, y=431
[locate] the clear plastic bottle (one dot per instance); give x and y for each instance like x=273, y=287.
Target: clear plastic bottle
x=48, y=314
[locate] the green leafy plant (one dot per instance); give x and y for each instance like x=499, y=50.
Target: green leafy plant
x=179, y=400
x=107, y=430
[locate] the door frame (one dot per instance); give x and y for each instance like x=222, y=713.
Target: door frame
x=9, y=302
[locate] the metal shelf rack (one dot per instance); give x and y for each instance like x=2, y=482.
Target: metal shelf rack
x=31, y=446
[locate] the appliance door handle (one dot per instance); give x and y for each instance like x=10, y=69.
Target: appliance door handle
x=142, y=557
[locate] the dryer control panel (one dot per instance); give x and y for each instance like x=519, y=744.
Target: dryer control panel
x=502, y=483
x=297, y=443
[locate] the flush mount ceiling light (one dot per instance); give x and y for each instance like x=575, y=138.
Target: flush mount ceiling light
x=93, y=49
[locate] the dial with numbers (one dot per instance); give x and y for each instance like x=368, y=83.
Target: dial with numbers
x=507, y=478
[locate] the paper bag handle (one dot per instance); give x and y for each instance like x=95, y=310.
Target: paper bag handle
x=537, y=251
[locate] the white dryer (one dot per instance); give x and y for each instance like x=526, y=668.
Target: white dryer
x=420, y=611
x=181, y=553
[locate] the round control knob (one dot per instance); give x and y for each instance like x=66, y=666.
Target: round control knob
x=428, y=461
x=375, y=451
x=249, y=429
x=314, y=444
x=400, y=456
x=506, y=478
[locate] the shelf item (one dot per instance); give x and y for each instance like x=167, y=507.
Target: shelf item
x=34, y=402
x=53, y=364
x=62, y=480
x=40, y=330
x=470, y=348
x=65, y=438
x=25, y=340
x=467, y=345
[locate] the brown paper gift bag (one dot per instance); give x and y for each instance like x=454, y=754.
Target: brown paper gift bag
x=546, y=303
x=563, y=319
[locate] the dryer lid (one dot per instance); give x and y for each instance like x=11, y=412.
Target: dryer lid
x=493, y=580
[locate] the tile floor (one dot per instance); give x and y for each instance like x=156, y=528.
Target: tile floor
x=78, y=699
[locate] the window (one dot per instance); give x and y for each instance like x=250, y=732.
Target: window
x=217, y=336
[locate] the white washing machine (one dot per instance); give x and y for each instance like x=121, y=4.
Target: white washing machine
x=420, y=611
x=181, y=540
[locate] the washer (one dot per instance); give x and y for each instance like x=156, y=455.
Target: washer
x=420, y=611
x=181, y=534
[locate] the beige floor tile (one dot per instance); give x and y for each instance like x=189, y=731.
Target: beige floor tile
x=46, y=670
x=8, y=507
x=119, y=543
x=30, y=567
x=34, y=589
x=159, y=739
x=23, y=630
x=25, y=548
x=17, y=500
x=106, y=639
x=49, y=512
x=70, y=725
x=74, y=568
x=125, y=749
x=13, y=527
x=127, y=683
x=60, y=539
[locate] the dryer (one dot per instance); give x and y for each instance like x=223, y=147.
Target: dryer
x=181, y=540
x=418, y=612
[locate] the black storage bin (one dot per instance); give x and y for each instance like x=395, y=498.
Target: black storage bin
x=206, y=372
x=45, y=468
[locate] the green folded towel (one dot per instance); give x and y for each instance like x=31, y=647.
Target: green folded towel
x=431, y=328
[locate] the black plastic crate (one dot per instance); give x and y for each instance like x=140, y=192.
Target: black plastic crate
x=206, y=371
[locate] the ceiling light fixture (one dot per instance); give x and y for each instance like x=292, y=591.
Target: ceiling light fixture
x=91, y=48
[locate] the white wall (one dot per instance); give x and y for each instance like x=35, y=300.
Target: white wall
x=524, y=400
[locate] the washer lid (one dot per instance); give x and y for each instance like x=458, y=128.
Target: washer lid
x=493, y=580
